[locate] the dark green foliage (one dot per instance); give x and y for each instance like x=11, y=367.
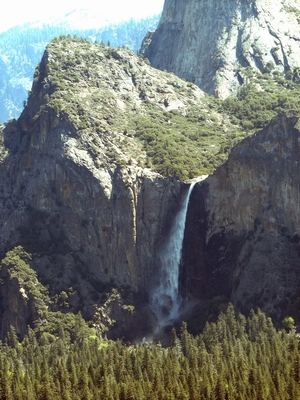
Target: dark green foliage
x=261, y=99
x=234, y=358
x=183, y=146
x=16, y=263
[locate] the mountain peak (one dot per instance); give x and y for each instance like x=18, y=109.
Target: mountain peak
x=137, y=113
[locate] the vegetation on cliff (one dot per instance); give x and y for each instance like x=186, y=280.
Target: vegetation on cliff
x=234, y=358
x=262, y=98
x=15, y=265
x=26, y=303
x=22, y=47
x=133, y=113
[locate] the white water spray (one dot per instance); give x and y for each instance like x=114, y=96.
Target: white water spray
x=166, y=301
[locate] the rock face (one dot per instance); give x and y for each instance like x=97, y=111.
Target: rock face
x=90, y=221
x=23, y=299
x=17, y=308
x=243, y=224
x=76, y=193
x=207, y=42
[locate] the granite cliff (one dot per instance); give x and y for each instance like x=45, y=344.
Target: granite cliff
x=242, y=232
x=92, y=176
x=210, y=42
x=73, y=193
x=77, y=190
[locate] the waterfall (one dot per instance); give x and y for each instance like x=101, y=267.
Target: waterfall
x=166, y=301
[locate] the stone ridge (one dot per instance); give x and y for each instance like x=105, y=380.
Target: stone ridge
x=207, y=42
x=103, y=90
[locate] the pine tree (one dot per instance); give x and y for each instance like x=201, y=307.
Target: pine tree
x=63, y=378
x=185, y=339
x=83, y=385
x=29, y=389
x=176, y=343
x=6, y=389
x=46, y=389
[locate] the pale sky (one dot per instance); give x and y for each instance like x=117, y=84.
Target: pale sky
x=19, y=11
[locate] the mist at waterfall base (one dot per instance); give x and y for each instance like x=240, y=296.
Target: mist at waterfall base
x=166, y=300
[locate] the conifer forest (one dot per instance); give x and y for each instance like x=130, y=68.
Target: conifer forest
x=233, y=358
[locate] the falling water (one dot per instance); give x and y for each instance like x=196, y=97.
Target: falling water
x=166, y=300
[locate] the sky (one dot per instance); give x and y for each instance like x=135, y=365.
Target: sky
x=16, y=12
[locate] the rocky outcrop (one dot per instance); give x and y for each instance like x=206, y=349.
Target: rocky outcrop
x=22, y=47
x=23, y=299
x=243, y=224
x=75, y=196
x=207, y=42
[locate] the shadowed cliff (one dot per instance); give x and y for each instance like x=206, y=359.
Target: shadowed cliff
x=242, y=232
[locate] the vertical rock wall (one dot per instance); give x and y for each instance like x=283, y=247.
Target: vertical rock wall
x=243, y=227
x=86, y=227
x=207, y=41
